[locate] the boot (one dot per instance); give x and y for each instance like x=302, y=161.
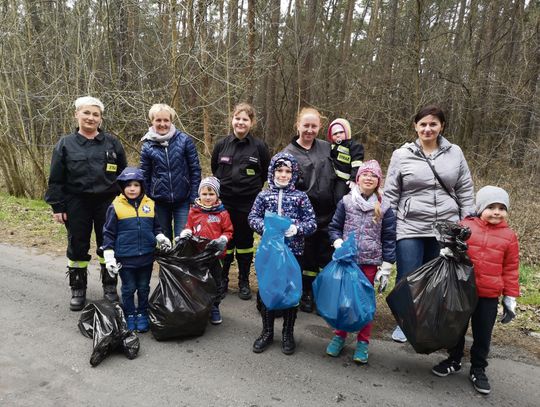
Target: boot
x=77, y=282
x=306, y=301
x=267, y=334
x=227, y=261
x=288, y=345
x=244, y=266
x=109, y=285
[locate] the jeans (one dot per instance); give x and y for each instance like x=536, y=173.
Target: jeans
x=169, y=213
x=413, y=253
x=135, y=279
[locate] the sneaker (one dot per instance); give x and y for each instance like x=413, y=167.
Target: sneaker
x=130, y=319
x=361, y=352
x=141, y=322
x=215, y=316
x=446, y=367
x=398, y=335
x=479, y=379
x=335, y=346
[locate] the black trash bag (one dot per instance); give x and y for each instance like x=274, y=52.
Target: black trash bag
x=433, y=304
x=181, y=303
x=104, y=322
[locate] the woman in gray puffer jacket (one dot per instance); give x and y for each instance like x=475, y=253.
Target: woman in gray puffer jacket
x=419, y=199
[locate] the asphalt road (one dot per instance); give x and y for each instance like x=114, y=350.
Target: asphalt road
x=44, y=360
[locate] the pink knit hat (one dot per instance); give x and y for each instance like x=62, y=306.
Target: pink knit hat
x=343, y=123
x=373, y=167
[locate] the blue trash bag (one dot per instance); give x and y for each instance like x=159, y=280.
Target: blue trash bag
x=278, y=272
x=344, y=296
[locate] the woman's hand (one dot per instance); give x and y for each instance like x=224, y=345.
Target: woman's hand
x=60, y=217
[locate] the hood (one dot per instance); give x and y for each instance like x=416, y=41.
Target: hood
x=345, y=124
x=272, y=167
x=131, y=174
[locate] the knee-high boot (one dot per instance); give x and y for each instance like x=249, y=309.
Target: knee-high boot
x=267, y=334
x=109, y=285
x=77, y=282
x=244, y=266
x=288, y=345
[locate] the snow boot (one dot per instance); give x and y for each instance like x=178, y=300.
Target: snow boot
x=77, y=282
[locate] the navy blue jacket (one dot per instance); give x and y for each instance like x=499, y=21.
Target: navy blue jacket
x=172, y=173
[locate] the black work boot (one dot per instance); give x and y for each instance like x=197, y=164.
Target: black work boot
x=306, y=301
x=288, y=346
x=267, y=335
x=109, y=285
x=77, y=282
x=227, y=261
x=244, y=265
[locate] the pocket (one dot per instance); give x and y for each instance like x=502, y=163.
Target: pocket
x=404, y=208
x=250, y=166
x=76, y=165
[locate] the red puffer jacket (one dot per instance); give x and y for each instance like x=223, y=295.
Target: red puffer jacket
x=494, y=252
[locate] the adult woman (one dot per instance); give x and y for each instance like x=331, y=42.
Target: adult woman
x=82, y=185
x=317, y=180
x=171, y=169
x=240, y=162
x=419, y=198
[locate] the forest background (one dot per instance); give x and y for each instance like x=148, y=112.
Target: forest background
x=373, y=62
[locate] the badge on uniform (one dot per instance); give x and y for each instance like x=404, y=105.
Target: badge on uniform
x=146, y=209
x=225, y=159
x=250, y=171
x=111, y=167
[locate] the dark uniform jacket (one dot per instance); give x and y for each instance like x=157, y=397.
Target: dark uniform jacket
x=347, y=157
x=84, y=166
x=241, y=166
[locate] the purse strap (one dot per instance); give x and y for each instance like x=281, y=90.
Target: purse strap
x=443, y=185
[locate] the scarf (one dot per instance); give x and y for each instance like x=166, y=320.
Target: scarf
x=162, y=139
x=364, y=204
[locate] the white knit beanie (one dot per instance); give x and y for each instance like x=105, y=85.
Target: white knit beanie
x=210, y=182
x=490, y=195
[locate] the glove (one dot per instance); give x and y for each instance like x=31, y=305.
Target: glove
x=350, y=184
x=509, y=309
x=163, y=242
x=338, y=243
x=446, y=252
x=110, y=263
x=218, y=244
x=383, y=273
x=185, y=233
x=293, y=230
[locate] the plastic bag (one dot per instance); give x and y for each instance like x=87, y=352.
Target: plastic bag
x=104, y=321
x=344, y=296
x=278, y=273
x=433, y=304
x=181, y=303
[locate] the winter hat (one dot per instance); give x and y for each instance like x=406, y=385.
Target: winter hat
x=490, y=195
x=343, y=124
x=283, y=162
x=210, y=182
x=370, y=166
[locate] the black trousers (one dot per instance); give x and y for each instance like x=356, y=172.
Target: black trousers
x=84, y=213
x=242, y=238
x=482, y=322
x=215, y=271
x=317, y=254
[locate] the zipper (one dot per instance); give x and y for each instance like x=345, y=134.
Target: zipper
x=169, y=172
x=280, y=197
x=135, y=204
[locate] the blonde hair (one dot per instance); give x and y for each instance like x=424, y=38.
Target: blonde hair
x=160, y=107
x=377, y=208
x=308, y=110
x=88, y=101
x=247, y=109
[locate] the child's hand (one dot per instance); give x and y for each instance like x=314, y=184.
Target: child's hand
x=185, y=233
x=293, y=230
x=163, y=242
x=509, y=309
x=218, y=244
x=338, y=243
x=383, y=273
x=110, y=263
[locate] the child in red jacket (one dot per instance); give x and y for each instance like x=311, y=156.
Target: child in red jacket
x=208, y=218
x=494, y=251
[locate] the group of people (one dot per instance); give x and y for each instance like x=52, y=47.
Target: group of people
x=325, y=188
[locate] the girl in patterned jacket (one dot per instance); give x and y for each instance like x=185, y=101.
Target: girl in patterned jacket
x=364, y=212
x=283, y=198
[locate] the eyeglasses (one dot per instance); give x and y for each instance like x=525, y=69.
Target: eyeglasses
x=368, y=175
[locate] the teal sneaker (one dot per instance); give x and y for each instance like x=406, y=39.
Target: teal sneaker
x=335, y=346
x=361, y=353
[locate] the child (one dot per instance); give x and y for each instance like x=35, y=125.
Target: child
x=208, y=218
x=347, y=155
x=494, y=251
x=283, y=198
x=129, y=237
x=364, y=212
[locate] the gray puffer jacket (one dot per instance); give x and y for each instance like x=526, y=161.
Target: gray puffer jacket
x=415, y=194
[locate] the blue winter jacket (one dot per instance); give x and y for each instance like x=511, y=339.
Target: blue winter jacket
x=172, y=173
x=293, y=203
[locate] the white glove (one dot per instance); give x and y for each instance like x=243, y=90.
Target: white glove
x=338, y=243
x=446, y=252
x=383, y=273
x=163, y=242
x=293, y=230
x=110, y=263
x=509, y=309
x=350, y=184
x=186, y=233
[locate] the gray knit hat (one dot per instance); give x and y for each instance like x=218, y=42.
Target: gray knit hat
x=210, y=182
x=490, y=195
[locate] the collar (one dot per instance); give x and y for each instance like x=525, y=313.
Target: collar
x=82, y=140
